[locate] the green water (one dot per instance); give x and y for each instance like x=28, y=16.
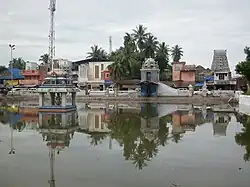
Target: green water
x=148, y=145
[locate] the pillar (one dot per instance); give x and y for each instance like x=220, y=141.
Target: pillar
x=73, y=98
x=53, y=98
x=64, y=120
x=41, y=99
x=40, y=119
x=63, y=99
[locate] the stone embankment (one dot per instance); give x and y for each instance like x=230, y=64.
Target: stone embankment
x=171, y=100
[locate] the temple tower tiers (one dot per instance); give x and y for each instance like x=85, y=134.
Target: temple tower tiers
x=56, y=87
x=221, y=71
x=220, y=61
x=150, y=71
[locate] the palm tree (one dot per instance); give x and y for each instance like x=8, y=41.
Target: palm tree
x=150, y=46
x=162, y=57
x=247, y=52
x=176, y=53
x=44, y=58
x=117, y=71
x=97, y=53
x=140, y=36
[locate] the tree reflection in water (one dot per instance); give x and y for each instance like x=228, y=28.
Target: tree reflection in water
x=243, y=138
x=137, y=146
x=176, y=137
x=96, y=138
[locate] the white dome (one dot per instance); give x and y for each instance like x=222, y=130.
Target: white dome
x=150, y=63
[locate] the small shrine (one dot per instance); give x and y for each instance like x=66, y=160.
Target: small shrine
x=57, y=86
x=149, y=121
x=149, y=78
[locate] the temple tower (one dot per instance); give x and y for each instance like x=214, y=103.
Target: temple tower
x=221, y=71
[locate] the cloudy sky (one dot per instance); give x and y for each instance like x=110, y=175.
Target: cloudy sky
x=198, y=26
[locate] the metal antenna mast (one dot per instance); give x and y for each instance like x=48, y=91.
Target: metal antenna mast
x=110, y=44
x=52, y=9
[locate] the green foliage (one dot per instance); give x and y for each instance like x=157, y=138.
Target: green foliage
x=243, y=138
x=128, y=130
x=44, y=58
x=138, y=46
x=247, y=52
x=18, y=63
x=97, y=53
x=243, y=68
x=2, y=69
x=176, y=53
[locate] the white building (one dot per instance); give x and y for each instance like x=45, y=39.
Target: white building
x=91, y=73
x=31, y=66
x=62, y=64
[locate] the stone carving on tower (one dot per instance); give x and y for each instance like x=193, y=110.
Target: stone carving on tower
x=220, y=61
x=221, y=71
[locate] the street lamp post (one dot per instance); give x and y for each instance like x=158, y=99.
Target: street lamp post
x=12, y=48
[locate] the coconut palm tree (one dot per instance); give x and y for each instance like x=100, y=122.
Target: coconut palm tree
x=140, y=34
x=162, y=56
x=176, y=53
x=44, y=58
x=151, y=44
x=97, y=53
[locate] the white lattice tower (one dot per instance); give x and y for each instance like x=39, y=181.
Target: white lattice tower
x=52, y=9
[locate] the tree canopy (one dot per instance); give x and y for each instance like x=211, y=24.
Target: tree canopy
x=18, y=63
x=44, y=58
x=243, y=68
x=138, y=46
x=97, y=53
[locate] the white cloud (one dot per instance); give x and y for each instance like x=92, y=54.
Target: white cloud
x=198, y=26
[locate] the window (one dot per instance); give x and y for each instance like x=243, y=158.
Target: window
x=221, y=76
x=97, y=72
x=96, y=121
x=102, y=67
x=148, y=78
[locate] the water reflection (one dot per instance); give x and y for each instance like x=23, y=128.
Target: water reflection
x=141, y=131
x=57, y=130
x=243, y=138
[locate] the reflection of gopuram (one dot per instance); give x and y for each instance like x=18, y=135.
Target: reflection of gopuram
x=57, y=130
x=220, y=123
